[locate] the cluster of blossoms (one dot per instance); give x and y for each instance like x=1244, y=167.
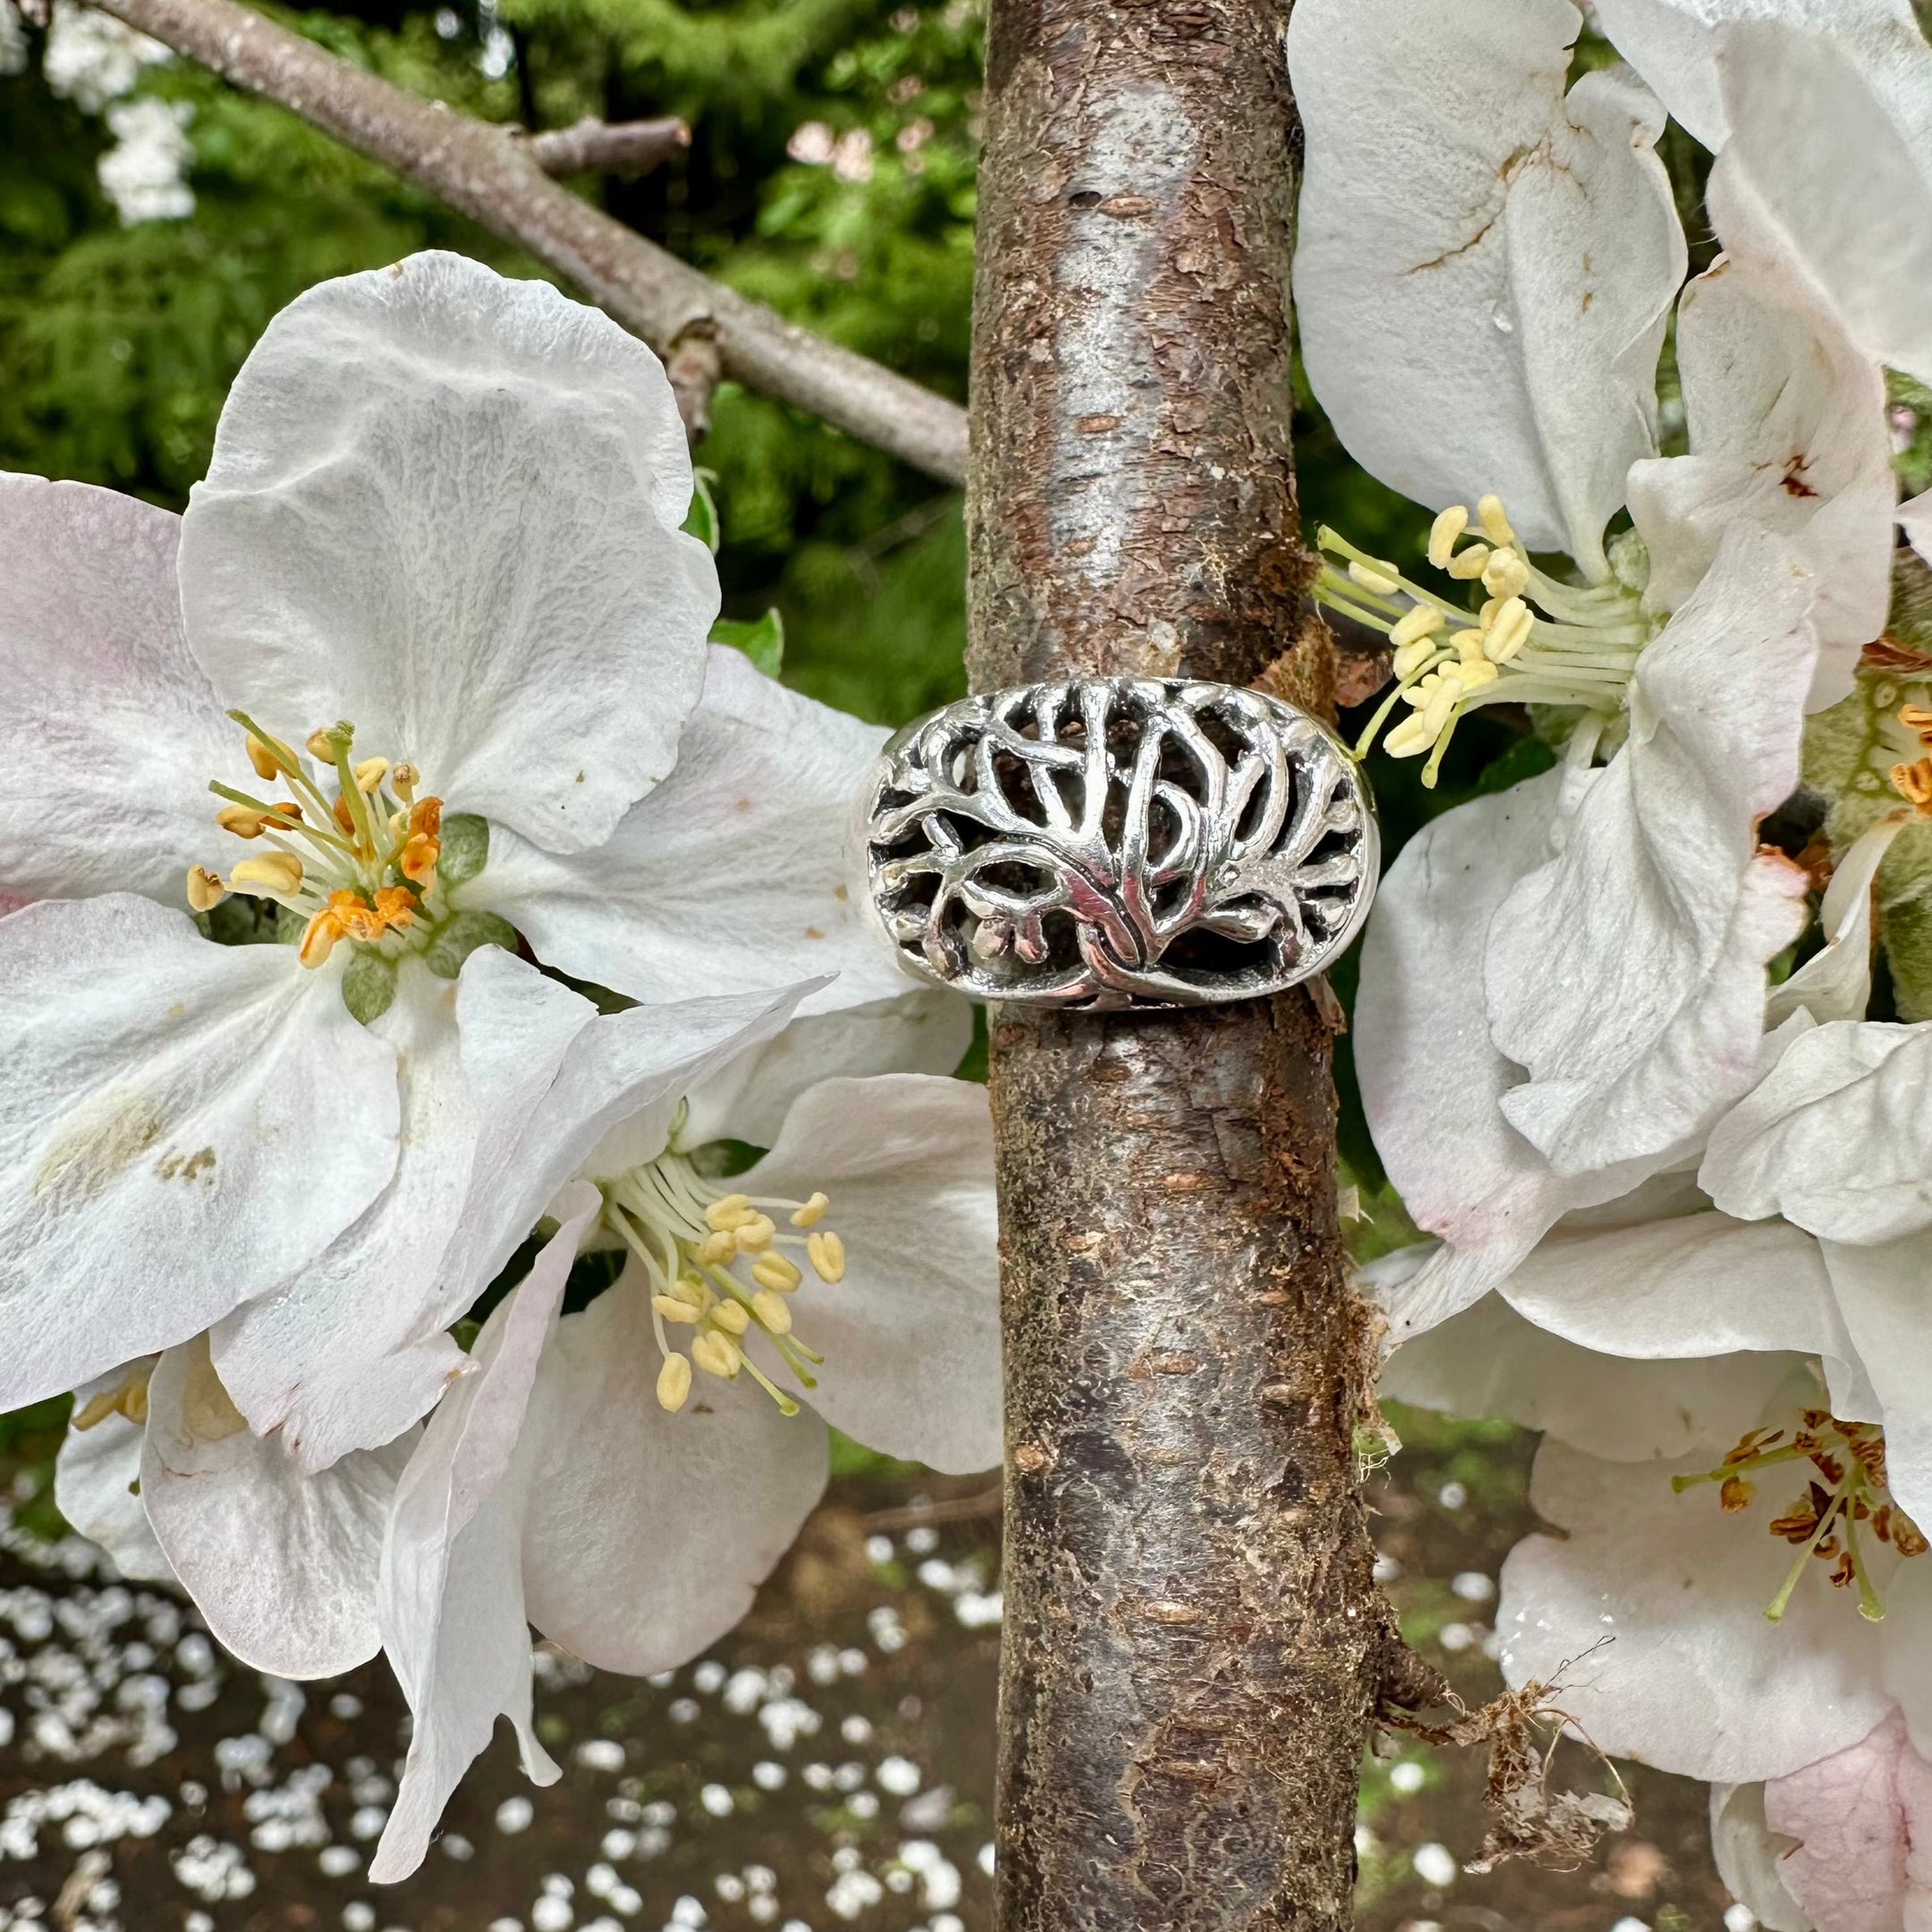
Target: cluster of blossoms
x=1614, y=1043
x=399, y=896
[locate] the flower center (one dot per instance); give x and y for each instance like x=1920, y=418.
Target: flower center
x=357, y=866
x=1533, y=641
x=1847, y=1489
x=717, y=1266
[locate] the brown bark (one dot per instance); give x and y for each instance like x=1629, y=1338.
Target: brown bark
x=1192, y=1637
x=594, y=147
x=490, y=174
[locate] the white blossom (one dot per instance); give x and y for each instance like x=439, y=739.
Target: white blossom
x=142, y=174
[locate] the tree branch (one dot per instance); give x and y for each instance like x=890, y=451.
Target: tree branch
x=594, y=147
x=489, y=174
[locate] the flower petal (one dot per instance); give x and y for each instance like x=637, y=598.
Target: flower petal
x=1659, y=912
x=925, y=1032
x=1835, y=982
x=731, y=875
x=1490, y=1361
x=471, y=550
x=282, y=1564
x=1696, y=1680
x=1855, y=1817
x=1432, y=1081
x=1834, y=1137
x=183, y=1126
x=1828, y=141
x=649, y=1533
x=1882, y=1296
x=1485, y=268
x=450, y=1601
x=1788, y=430
x=911, y=1335
x=115, y=728
x=1747, y=1853
x=353, y=1349
x=97, y=1484
x=1673, y=44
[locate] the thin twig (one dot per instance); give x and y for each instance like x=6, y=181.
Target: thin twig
x=487, y=173
x=917, y=1515
x=594, y=147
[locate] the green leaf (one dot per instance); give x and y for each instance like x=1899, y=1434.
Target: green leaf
x=465, y=838
x=762, y=641
x=703, y=520
x=459, y=937
x=369, y=986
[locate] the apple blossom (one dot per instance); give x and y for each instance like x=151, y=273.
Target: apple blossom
x=473, y=552
x=1467, y=332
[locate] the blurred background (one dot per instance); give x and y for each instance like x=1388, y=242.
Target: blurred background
x=831, y=1763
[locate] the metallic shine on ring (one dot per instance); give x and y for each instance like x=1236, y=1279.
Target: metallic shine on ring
x=1107, y=842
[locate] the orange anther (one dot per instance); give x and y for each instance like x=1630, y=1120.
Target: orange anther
x=318, y=937
x=426, y=817
x=417, y=859
x=1917, y=719
x=344, y=818
x=357, y=917
x=1914, y=783
x=395, y=906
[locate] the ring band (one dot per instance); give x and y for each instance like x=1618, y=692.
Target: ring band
x=1107, y=842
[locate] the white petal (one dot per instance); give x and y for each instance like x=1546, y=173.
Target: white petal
x=1833, y=148
x=1490, y=1361
x=352, y=1351
x=183, y=1126
x=1834, y=1137
x=470, y=549
x=1746, y=1852
x=282, y=1564
x=1432, y=1081
x=1915, y=519
x=1627, y=974
x=1788, y=429
x=910, y=1337
x=731, y=875
x=1673, y=44
x=1835, y=982
x=1882, y=1295
x=1855, y=1818
x=97, y=1485
x=1483, y=269
x=1695, y=1680
x=114, y=731
x=649, y=1533
x=925, y=1032
x=613, y=1095
x=450, y=1602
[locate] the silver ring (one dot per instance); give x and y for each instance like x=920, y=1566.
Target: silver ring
x=1118, y=842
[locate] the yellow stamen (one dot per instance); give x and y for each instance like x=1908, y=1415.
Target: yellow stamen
x=1423, y=621
x=812, y=1212
x=1445, y=532
x=321, y=744
x=318, y=938
x=773, y=1312
x=732, y=1316
x=673, y=1310
x=733, y=1211
x=1410, y=738
x=369, y=774
x=274, y=872
x=1507, y=630
x=205, y=890
x=1505, y=573
x=716, y=1250
x=1382, y=579
x=717, y=1355
x=1411, y=657
x=1489, y=510
x=755, y=1235
x=1470, y=563
x=673, y=1384
x=828, y=1253
x=773, y=1271
x=403, y=779
x=266, y=763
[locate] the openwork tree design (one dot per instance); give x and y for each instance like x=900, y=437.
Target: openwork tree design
x=1106, y=842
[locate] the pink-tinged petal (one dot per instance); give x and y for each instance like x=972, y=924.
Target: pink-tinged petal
x=1853, y=1832
x=730, y=877
x=1650, y=1615
x=471, y=550
x=911, y=1335
x=1747, y=1853
x=449, y=1599
x=182, y=1127
x=114, y=729
x=1485, y=265
x=649, y=1533
x=1628, y=973
x=282, y=1564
